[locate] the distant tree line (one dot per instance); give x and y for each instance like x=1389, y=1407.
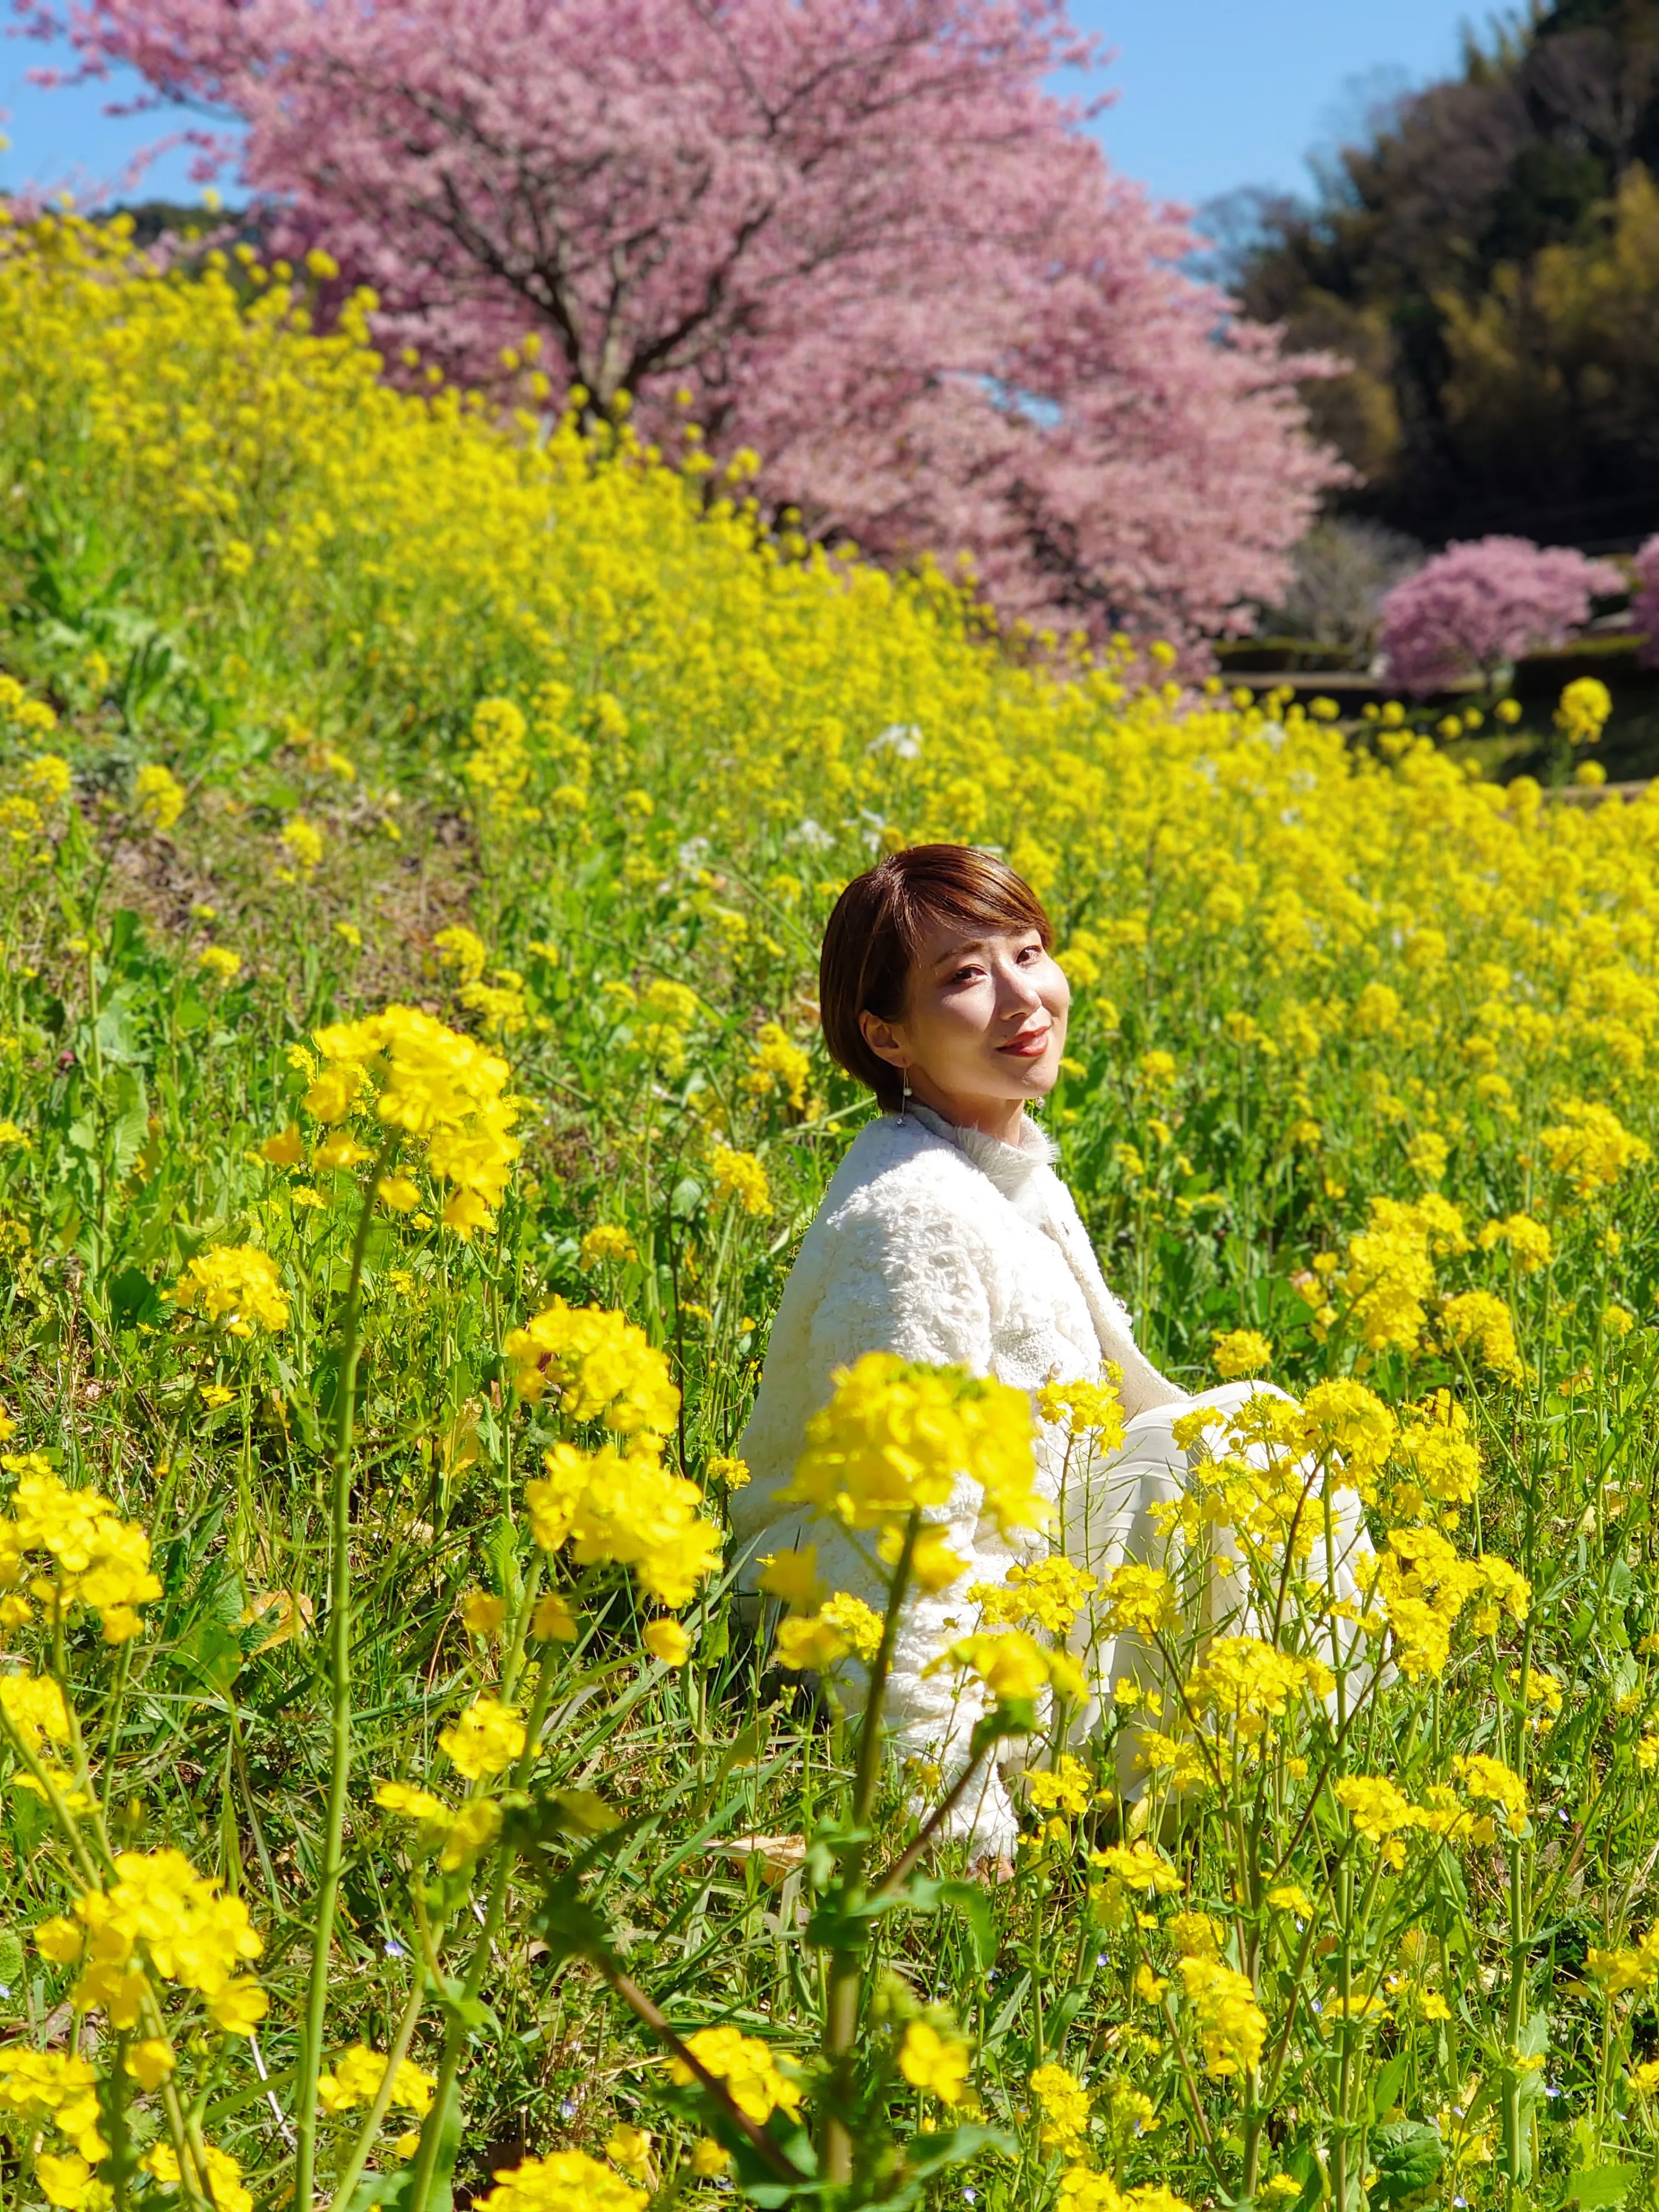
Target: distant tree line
x=1487, y=259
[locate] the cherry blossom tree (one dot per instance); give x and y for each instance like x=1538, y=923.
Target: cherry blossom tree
x=1645, y=607
x=1484, y=602
x=858, y=232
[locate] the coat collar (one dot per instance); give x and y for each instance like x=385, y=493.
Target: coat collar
x=1010, y=1167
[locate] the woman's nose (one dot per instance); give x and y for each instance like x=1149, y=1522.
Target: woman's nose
x=1016, y=988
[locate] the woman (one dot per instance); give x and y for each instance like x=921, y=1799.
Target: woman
x=946, y=1236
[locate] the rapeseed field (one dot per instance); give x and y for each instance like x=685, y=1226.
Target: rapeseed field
x=417, y=825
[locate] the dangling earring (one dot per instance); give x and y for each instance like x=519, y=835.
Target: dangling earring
x=904, y=1097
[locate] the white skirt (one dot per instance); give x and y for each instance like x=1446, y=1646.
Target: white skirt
x=1110, y=1519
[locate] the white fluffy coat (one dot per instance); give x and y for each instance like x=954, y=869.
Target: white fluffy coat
x=945, y=1245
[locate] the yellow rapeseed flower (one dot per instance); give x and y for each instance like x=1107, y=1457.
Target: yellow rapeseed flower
x=157, y=1916
x=236, y=1287
x=895, y=1438
x=668, y=1641
x=224, y=2175
x=1232, y=2027
x=158, y=797
x=934, y=2063
x=741, y=1177
x=485, y=1741
x=356, y=2077
x=1048, y=1593
x=303, y=841
x=1086, y=1409
x=606, y=1241
x=1238, y=1351
x=1590, y=1147
x=628, y=1510
x=1065, y=2104
x=843, y=1626
x=755, y=2083
x=564, y=2181
x=602, y=1366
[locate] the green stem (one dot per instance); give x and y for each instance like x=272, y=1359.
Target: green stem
x=1195, y=2101
x=408, y=2023
x=112, y=1723
x=120, y=2162
x=1252, y=2118
x=845, y=1977
x=913, y=1852
x=1345, y=2060
x=422, y=2179
x=339, y=1624
x=645, y=2009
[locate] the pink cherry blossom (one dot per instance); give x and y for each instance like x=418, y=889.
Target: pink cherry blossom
x=1485, y=601
x=1645, y=607
x=859, y=232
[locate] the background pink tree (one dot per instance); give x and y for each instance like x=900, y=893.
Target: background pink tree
x=858, y=232
x=1483, y=602
x=1645, y=607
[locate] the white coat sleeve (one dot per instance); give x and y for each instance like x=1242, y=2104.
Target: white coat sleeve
x=914, y=1288
x=1143, y=1387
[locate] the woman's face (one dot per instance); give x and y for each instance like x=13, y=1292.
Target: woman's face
x=983, y=1025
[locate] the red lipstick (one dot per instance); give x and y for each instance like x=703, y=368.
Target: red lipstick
x=1027, y=1045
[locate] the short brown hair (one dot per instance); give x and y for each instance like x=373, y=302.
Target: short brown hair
x=877, y=928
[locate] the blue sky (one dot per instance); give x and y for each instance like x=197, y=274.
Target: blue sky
x=1211, y=94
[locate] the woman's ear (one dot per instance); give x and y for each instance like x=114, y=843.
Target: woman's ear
x=882, y=1039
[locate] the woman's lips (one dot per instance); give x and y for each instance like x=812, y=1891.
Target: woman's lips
x=1026, y=1046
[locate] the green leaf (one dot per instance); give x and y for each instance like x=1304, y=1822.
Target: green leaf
x=1408, y=2157
x=1301, y=2161
x=584, y=1812
x=1602, y=2185
x=935, y=2153
x=31, y=1818
x=212, y=1649
x=973, y=1900
x=1010, y=2010
x=839, y=1926
x=1385, y=2090
x=126, y=935
x=570, y=1927
x=130, y=1121
x=1011, y=1716
x=502, y=1550
x=119, y=1036
x=132, y=1298
x=831, y=1929
x=746, y=1748
x=389, y=2190
x=759, y=2184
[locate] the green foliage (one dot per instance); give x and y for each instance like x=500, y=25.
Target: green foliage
x=1475, y=255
